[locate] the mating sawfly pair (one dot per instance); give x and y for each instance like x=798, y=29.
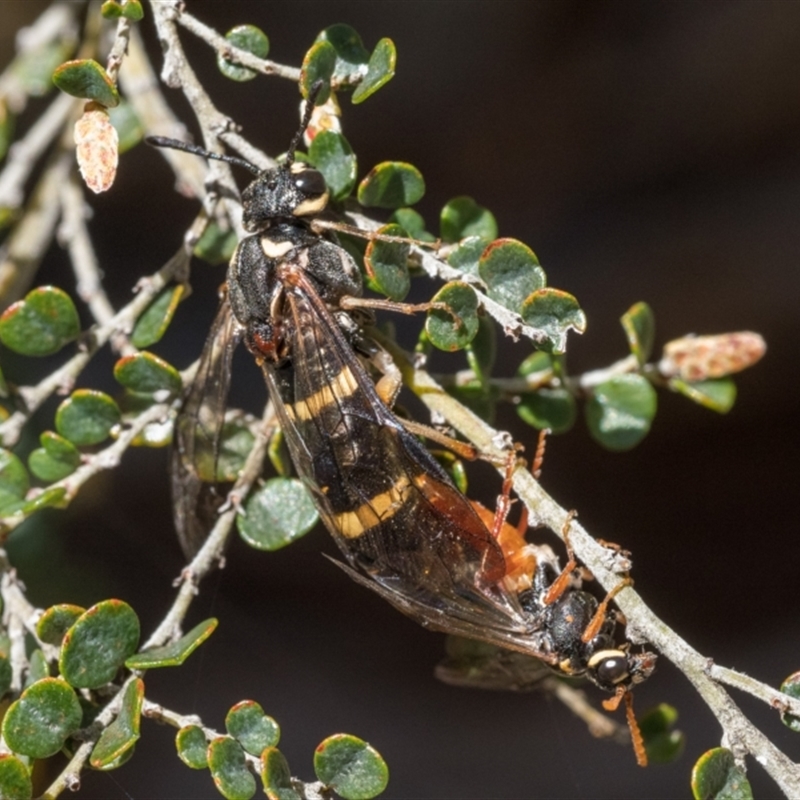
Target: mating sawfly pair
x=405, y=530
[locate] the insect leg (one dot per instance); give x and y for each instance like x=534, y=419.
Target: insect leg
x=350, y=303
x=320, y=225
x=564, y=580
x=602, y=610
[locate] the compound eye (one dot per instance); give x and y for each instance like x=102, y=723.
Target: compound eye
x=310, y=181
x=612, y=670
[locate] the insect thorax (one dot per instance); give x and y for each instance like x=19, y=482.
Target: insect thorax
x=257, y=278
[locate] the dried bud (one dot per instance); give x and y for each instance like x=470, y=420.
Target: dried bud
x=323, y=118
x=697, y=358
x=96, y=145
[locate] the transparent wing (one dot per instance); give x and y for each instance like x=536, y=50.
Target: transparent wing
x=196, y=440
x=389, y=506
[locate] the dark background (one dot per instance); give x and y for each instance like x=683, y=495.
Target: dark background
x=646, y=151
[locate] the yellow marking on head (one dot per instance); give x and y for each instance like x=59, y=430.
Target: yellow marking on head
x=275, y=249
x=343, y=385
x=352, y=524
x=297, y=167
x=311, y=206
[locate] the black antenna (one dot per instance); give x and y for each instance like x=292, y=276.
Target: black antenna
x=177, y=144
x=316, y=88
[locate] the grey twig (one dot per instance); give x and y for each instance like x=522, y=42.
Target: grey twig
x=25, y=153
x=231, y=53
x=74, y=235
x=211, y=551
x=642, y=625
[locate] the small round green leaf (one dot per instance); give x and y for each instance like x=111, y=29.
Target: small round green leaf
x=111, y=9
x=277, y=514
x=466, y=255
x=463, y=217
x=718, y=394
x=41, y=323
x=251, y=727
x=620, y=411
x=192, y=747
x=6, y=676
x=537, y=362
x=639, y=324
x=15, y=779
x=332, y=155
x=174, y=653
x=96, y=646
x=413, y=223
x=54, y=497
x=155, y=320
x=147, y=373
x=548, y=408
x=276, y=777
x=122, y=734
x=715, y=776
x=386, y=264
x=351, y=55
x=663, y=744
x=791, y=686
x=13, y=476
x=391, y=184
x=55, y=459
x=511, y=272
x=46, y=714
x=245, y=37
x=38, y=667
x=216, y=246
x=86, y=417
x=56, y=621
x=351, y=767
x=130, y=9
x=318, y=65
x=229, y=769
x=454, y=329
x=553, y=312
x=380, y=70
x=86, y=78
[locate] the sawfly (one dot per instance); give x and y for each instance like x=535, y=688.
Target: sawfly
x=405, y=531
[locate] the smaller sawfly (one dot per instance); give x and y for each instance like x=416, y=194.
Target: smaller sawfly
x=405, y=530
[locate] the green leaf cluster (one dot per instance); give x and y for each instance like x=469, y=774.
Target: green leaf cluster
x=343, y=763
x=95, y=648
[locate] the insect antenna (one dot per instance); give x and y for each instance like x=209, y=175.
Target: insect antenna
x=309, y=110
x=177, y=144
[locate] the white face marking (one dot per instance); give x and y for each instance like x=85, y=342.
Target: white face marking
x=275, y=249
x=311, y=206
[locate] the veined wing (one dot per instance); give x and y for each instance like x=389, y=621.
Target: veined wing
x=198, y=429
x=391, y=508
